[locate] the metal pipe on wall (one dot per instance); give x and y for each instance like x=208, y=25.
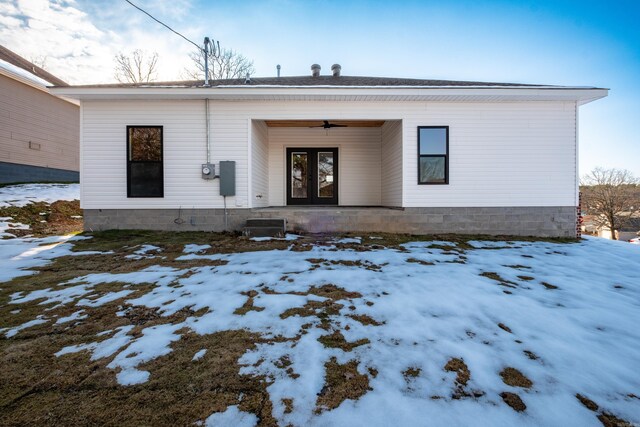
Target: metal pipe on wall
x=206, y=109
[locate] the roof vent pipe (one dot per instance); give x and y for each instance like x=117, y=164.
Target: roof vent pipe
x=206, y=61
x=278, y=68
x=247, y=81
x=315, y=70
x=335, y=69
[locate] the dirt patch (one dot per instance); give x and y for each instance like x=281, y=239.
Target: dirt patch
x=342, y=382
x=514, y=401
x=588, y=403
x=333, y=292
x=531, y=355
x=504, y=327
x=411, y=373
x=44, y=219
x=460, y=368
x=515, y=378
x=337, y=340
x=549, y=285
x=610, y=420
x=526, y=278
x=285, y=363
x=288, y=405
x=501, y=281
x=463, y=375
x=321, y=309
x=419, y=261
x=365, y=320
x=519, y=267
x=248, y=305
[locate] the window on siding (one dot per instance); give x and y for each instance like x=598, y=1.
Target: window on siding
x=144, y=161
x=433, y=154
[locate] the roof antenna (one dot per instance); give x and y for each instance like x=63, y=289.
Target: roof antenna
x=278, y=68
x=214, y=52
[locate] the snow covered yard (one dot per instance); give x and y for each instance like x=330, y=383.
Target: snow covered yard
x=166, y=328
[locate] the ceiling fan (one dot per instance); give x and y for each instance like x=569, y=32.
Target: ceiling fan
x=328, y=125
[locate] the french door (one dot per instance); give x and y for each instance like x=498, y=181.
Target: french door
x=312, y=176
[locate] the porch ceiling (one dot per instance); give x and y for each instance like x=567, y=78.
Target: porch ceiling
x=319, y=123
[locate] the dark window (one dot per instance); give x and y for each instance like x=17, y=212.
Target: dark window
x=433, y=154
x=144, y=161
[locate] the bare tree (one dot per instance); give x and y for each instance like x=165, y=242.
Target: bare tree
x=228, y=65
x=138, y=67
x=611, y=196
x=40, y=61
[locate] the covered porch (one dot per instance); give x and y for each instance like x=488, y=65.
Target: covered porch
x=317, y=164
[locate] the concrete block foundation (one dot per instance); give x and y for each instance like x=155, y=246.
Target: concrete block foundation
x=556, y=221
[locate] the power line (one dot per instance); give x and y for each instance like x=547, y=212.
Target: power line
x=163, y=24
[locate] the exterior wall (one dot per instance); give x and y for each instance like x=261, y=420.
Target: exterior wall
x=13, y=172
x=522, y=221
x=391, y=173
x=259, y=164
x=50, y=124
x=358, y=161
x=501, y=154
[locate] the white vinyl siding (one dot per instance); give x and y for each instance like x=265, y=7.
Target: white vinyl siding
x=501, y=154
x=391, y=173
x=259, y=164
x=358, y=161
x=104, y=138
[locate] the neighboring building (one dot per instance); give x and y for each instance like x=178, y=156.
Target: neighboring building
x=629, y=229
x=408, y=155
x=39, y=132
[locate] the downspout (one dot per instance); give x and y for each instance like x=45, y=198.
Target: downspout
x=208, y=124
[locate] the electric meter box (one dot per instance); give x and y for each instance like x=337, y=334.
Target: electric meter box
x=227, y=178
x=208, y=171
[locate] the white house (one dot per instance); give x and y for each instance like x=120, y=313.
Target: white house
x=332, y=153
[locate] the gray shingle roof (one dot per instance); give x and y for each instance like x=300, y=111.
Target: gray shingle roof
x=320, y=81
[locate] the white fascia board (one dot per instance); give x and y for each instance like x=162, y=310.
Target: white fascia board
x=582, y=95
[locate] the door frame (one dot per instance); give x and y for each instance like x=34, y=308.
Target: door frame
x=312, y=196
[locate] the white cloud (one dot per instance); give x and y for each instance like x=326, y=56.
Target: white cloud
x=80, y=39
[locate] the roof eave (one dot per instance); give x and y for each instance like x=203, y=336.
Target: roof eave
x=410, y=93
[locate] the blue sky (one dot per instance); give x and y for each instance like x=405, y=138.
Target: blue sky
x=590, y=43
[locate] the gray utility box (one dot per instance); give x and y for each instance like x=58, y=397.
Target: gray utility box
x=208, y=171
x=227, y=178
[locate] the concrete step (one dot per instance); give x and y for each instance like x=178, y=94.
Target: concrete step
x=263, y=231
x=265, y=227
x=267, y=222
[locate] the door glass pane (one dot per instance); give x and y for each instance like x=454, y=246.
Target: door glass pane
x=325, y=174
x=299, y=168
